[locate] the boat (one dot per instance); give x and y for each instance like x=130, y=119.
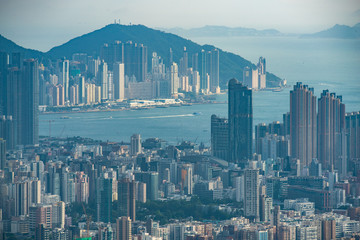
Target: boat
x=64, y=117
x=197, y=113
x=277, y=90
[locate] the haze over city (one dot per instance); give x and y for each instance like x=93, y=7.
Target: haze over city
x=180, y=120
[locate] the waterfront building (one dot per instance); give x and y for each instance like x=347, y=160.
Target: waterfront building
x=64, y=74
x=174, y=79
x=103, y=80
x=135, y=61
x=119, y=81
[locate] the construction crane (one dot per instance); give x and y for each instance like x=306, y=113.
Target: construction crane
x=88, y=219
x=49, y=121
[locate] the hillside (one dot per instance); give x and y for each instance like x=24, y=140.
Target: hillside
x=337, y=31
x=231, y=65
x=10, y=47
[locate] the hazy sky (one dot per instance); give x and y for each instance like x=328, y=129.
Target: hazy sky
x=42, y=24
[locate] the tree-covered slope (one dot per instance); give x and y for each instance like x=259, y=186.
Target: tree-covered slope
x=231, y=65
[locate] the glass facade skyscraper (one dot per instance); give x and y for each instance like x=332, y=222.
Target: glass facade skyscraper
x=240, y=122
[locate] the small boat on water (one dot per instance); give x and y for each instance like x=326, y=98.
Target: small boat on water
x=277, y=90
x=64, y=117
x=197, y=113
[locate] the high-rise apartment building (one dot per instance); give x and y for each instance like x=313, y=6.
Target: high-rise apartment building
x=2, y=154
x=104, y=199
x=64, y=67
x=112, y=53
x=30, y=103
x=353, y=137
x=303, y=124
x=219, y=137
x=119, y=81
x=103, y=80
x=252, y=195
x=123, y=228
x=40, y=214
x=331, y=149
x=135, y=144
x=240, y=122
x=174, y=79
x=126, y=198
x=135, y=61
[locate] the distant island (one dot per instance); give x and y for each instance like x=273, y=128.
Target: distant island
x=337, y=31
x=223, y=31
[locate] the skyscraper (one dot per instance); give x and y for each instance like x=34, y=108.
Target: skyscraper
x=135, y=144
x=240, y=122
x=219, y=137
x=126, y=198
x=135, y=60
x=104, y=198
x=252, y=196
x=331, y=132
x=119, y=81
x=64, y=76
x=303, y=124
x=123, y=228
x=103, y=80
x=30, y=103
x=215, y=71
x=2, y=154
x=353, y=137
x=174, y=79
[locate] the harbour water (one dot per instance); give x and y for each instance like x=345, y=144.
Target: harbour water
x=332, y=64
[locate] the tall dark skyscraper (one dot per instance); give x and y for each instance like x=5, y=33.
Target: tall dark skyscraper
x=135, y=61
x=303, y=131
x=331, y=132
x=126, y=198
x=240, y=122
x=112, y=53
x=219, y=137
x=353, y=139
x=2, y=153
x=4, y=64
x=30, y=103
x=103, y=199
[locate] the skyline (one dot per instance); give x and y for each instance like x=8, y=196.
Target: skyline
x=44, y=25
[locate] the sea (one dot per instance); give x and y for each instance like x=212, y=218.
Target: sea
x=332, y=64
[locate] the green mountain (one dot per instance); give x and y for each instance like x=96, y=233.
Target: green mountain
x=231, y=65
x=9, y=46
x=337, y=31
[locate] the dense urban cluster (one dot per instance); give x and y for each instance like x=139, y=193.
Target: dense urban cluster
x=296, y=179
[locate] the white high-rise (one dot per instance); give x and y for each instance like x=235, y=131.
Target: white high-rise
x=174, y=79
x=119, y=81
